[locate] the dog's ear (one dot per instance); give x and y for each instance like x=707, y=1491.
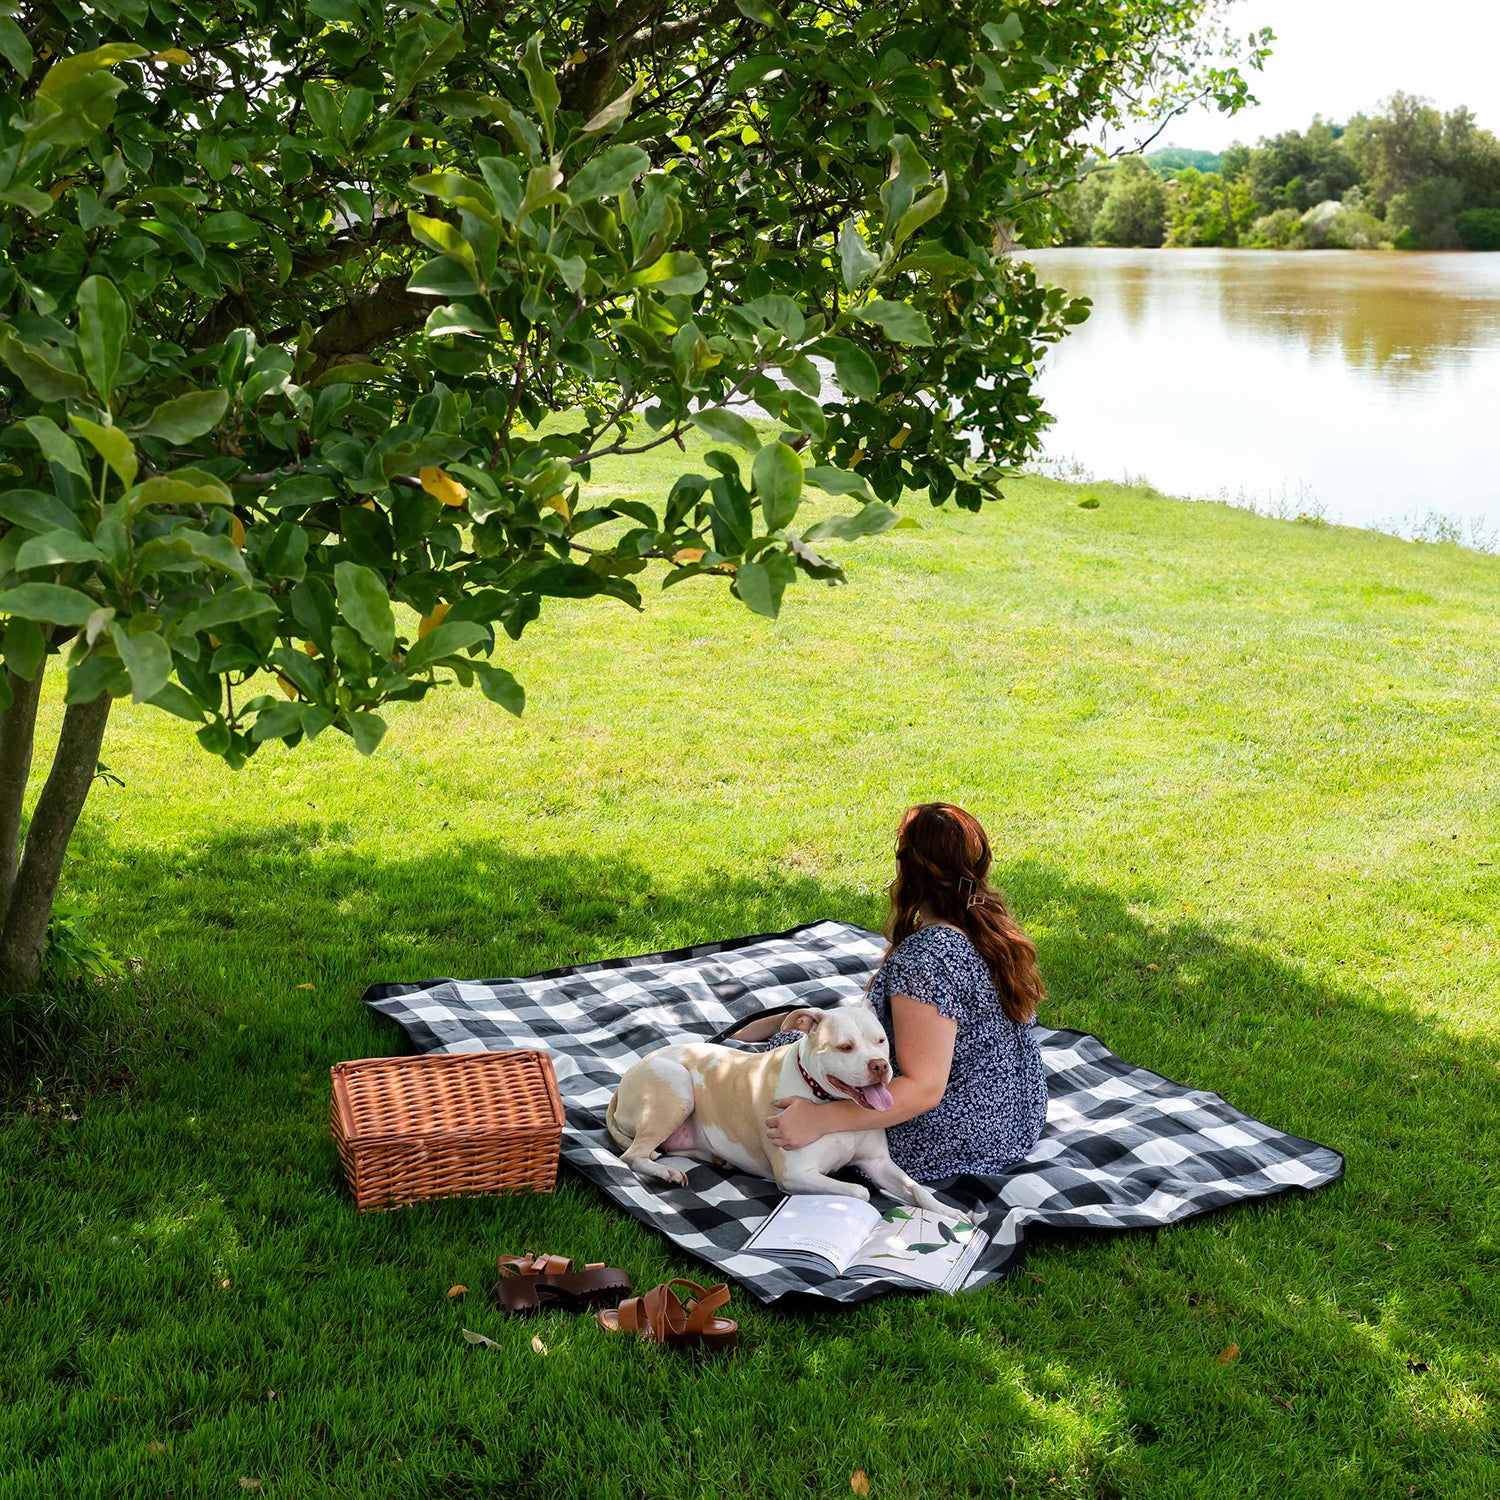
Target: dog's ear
x=802, y=1020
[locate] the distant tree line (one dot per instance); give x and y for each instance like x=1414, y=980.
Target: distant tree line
x=1407, y=178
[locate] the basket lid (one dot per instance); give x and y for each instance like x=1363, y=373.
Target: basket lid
x=445, y=1095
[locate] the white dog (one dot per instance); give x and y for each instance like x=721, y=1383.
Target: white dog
x=711, y=1103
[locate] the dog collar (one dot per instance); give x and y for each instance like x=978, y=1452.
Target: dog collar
x=819, y=1092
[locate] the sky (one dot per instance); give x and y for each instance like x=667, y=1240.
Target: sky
x=1338, y=57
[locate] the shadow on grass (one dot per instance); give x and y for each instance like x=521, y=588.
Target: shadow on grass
x=1361, y=1317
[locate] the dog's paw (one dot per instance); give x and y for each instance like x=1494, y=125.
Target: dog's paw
x=676, y=1178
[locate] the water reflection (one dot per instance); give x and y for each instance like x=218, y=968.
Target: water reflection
x=1365, y=384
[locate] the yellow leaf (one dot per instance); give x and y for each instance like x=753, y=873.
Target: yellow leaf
x=367, y=505
x=287, y=686
x=224, y=1285
x=432, y=620
x=310, y=647
x=859, y=1482
x=538, y=1345
x=579, y=56
x=172, y=55
x=237, y=532
x=899, y=441
x=213, y=640
x=441, y=487
x=855, y=457
x=688, y=555
x=306, y=986
x=559, y=503
x=456, y=1291
x=1229, y=1354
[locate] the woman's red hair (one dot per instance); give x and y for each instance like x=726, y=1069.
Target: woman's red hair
x=943, y=864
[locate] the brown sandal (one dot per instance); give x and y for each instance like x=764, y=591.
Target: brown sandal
x=530, y=1282
x=660, y=1316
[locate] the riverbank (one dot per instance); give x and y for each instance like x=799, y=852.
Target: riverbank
x=1239, y=776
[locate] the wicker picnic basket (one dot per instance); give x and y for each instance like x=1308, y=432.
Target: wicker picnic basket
x=410, y=1128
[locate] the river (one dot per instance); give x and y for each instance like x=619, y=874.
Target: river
x=1363, y=388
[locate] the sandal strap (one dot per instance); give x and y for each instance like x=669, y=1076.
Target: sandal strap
x=701, y=1310
x=532, y=1264
x=631, y=1316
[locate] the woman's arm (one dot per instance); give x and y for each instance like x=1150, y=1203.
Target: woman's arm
x=923, y=1044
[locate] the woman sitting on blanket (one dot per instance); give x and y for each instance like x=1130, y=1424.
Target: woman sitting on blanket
x=957, y=993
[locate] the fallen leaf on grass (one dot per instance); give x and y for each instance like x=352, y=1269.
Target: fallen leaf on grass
x=154, y=1447
x=247, y=1483
x=538, y=1345
x=1384, y=1246
x=456, y=1291
x=1229, y=1353
x=1036, y=1278
x=479, y=1338
x=859, y=1482
x=306, y=986
x=224, y=1285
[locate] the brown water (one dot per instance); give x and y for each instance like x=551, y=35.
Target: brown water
x=1362, y=387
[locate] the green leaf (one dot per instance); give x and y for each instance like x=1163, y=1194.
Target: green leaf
x=23, y=646
x=500, y=687
x=214, y=156
x=226, y=608
x=174, y=489
x=95, y=675
x=839, y=481
x=761, y=584
x=440, y=235
x=103, y=319
x=856, y=373
x=542, y=188
x=364, y=603
x=184, y=418
x=229, y=228
x=908, y=173
x=54, y=548
x=753, y=71
x=898, y=321
x=677, y=273
x=608, y=174
x=39, y=370
x=541, y=83
x=176, y=700
x=57, y=447
x=113, y=446
x=14, y=47
x=368, y=731
x=757, y=10
x=778, y=483
x=613, y=115
x=925, y=208
x=147, y=658
x=70, y=69
x=277, y=722
x=870, y=521
x=856, y=260
x=34, y=511
x=448, y=638
x=322, y=108
x=727, y=427
x=50, y=603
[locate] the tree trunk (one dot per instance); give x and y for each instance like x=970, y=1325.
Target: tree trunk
x=17, y=731
x=57, y=809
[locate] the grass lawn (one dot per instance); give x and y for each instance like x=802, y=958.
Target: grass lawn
x=1241, y=779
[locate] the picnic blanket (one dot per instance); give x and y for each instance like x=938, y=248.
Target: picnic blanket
x=1123, y=1148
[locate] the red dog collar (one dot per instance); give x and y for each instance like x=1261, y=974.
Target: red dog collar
x=819, y=1092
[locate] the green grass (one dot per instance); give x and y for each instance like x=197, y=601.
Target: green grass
x=1240, y=776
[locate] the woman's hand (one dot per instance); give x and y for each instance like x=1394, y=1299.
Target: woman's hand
x=795, y=1125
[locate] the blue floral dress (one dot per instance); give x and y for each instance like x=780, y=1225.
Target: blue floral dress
x=995, y=1105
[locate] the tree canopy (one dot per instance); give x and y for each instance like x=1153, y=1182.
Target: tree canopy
x=316, y=314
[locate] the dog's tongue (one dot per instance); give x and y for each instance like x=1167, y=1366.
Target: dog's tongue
x=877, y=1096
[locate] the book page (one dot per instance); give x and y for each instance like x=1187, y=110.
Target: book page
x=916, y=1242
x=822, y=1224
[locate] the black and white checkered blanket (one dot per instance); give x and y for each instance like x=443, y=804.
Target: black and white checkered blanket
x=1124, y=1148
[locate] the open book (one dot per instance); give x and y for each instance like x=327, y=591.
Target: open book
x=854, y=1238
